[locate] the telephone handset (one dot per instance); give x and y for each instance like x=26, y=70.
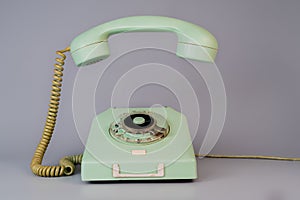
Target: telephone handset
x=194, y=42
x=140, y=143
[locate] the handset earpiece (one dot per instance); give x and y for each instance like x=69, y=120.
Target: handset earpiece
x=194, y=42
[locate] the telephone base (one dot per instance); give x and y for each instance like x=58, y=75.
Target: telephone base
x=106, y=158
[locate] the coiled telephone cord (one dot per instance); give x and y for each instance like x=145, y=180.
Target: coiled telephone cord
x=67, y=164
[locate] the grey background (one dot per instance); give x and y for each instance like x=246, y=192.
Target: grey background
x=258, y=59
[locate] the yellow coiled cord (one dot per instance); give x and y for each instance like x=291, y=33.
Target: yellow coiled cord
x=67, y=164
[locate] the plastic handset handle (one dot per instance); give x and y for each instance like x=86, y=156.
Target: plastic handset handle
x=194, y=42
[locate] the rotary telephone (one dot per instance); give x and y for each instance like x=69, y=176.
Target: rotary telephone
x=139, y=143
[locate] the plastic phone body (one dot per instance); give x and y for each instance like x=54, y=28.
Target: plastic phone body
x=106, y=158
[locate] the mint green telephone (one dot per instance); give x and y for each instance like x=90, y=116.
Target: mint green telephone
x=141, y=143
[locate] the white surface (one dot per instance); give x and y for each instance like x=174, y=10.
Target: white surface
x=219, y=179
